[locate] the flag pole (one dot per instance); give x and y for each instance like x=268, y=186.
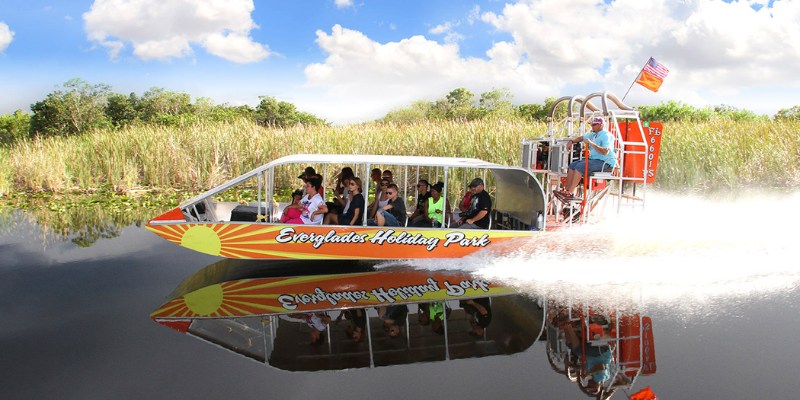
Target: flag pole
x=634, y=80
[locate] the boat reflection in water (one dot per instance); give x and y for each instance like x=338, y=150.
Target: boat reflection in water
x=352, y=317
x=618, y=346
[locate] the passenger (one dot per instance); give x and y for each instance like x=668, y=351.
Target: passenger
x=477, y=216
x=334, y=210
x=387, y=175
x=353, y=210
x=439, y=311
x=423, y=314
x=393, y=213
x=381, y=198
x=293, y=210
x=314, y=207
x=601, y=158
x=436, y=209
x=321, y=189
x=358, y=323
x=393, y=317
x=306, y=173
x=480, y=313
x=422, y=199
x=318, y=322
x=465, y=201
x=375, y=175
x=341, y=191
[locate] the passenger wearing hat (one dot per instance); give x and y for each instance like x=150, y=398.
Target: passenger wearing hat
x=480, y=315
x=477, y=216
x=436, y=209
x=309, y=171
x=601, y=157
x=597, y=357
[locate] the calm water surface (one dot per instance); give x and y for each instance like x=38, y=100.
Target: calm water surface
x=718, y=283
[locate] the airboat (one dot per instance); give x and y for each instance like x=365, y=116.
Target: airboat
x=219, y=222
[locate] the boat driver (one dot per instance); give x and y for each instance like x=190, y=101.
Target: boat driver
x=601, y=157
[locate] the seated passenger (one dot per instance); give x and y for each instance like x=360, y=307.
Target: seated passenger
x=293, y=210
x=375, y=175
x=465, y=201
x=309, y=171
x=439, y=311
x=422, y=198
x=314, y=207
x=336, y=206
x=358, y=323
x=340, y=191
x=393, y=213
x=480, y=315
x=435, y=210
x=318, y=322
x=320, y=189
x=353, y=209
x=381, y=198
x=387, y=175
x=393, y=318
x=477, y=216
x=353, y=212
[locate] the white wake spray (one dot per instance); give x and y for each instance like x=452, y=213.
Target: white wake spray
x=679, y=251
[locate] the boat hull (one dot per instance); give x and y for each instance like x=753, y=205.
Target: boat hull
x=278, y=241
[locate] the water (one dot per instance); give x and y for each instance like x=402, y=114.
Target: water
x=717, y=278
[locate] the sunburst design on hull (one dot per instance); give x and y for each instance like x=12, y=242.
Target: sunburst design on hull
x=260, y=241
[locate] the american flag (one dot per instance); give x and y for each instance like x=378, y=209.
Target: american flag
x=655, y=68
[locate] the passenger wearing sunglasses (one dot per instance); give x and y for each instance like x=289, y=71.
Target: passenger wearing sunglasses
x=393, y=213
x=381, y=198
x=354, y=207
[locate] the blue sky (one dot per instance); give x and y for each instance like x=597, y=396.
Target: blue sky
x=350, y=61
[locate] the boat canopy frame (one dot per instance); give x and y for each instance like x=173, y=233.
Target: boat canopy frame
x=512, y=187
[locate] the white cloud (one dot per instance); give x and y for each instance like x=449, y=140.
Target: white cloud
x=160, y=30
x=716, y=52
x=363, y=73
x=441, y=28
x=446, y=29
x=474, y=15
x=343, y=3
x=6, y=36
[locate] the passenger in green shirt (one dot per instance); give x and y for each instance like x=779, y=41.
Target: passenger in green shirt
x=436, y=209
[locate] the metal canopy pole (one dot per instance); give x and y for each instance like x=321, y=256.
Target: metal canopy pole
x=369, y=339
x=365, y=193
x=444, y=322
x=258, y=196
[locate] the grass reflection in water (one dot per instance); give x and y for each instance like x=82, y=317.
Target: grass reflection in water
x=83, y=218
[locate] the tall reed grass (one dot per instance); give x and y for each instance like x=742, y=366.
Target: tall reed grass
x=726, y=154
x=697, y=155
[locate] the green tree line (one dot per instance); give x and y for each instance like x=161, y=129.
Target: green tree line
x=77, y=107
x=462, y=104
